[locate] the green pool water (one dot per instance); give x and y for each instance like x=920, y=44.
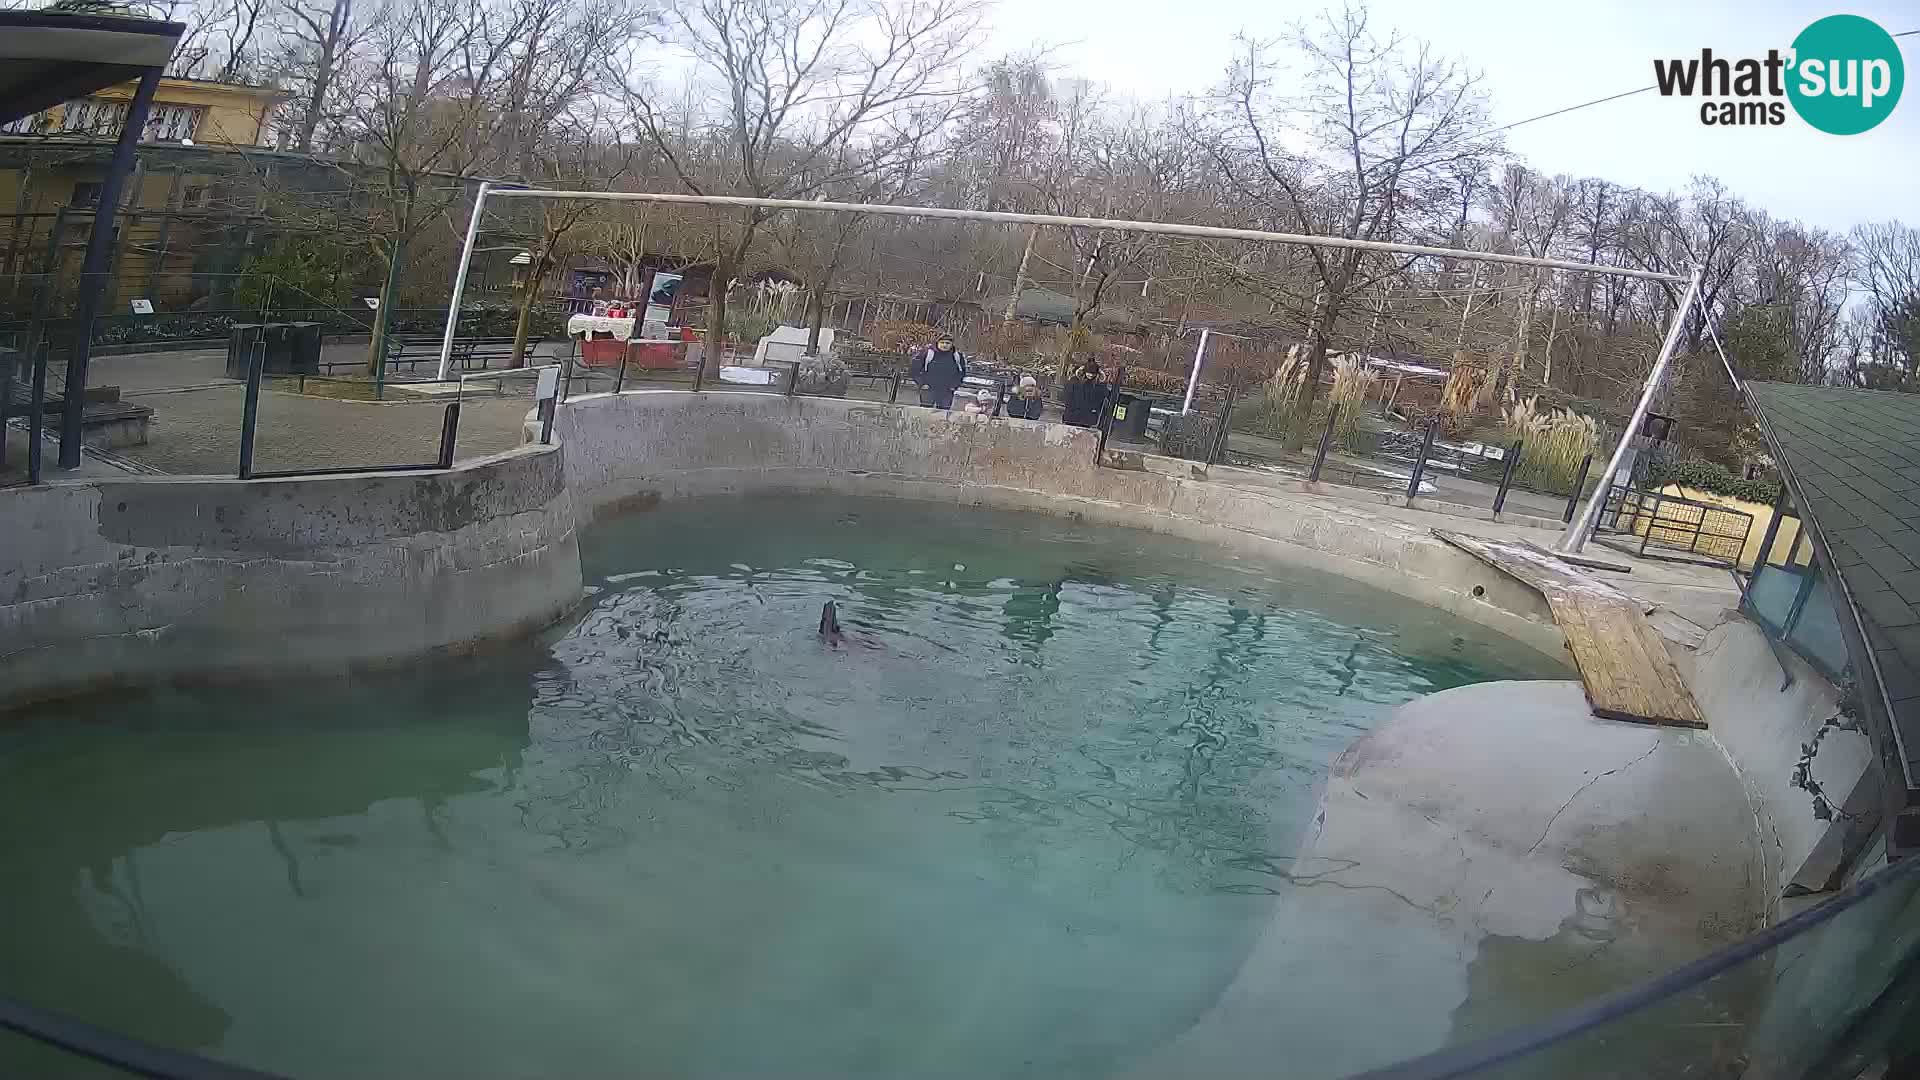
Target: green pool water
x=1025, y=821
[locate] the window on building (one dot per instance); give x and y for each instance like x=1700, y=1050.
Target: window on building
x=173, y=123
x=1792, y=597
x=195, y=198
x=85, y=193
x=98, y=116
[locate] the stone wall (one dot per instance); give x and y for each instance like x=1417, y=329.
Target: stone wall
x=631, y=449
x=1765, y=706
x=107, y=582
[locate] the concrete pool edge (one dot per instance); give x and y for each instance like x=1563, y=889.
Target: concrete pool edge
x=115, y=583
x=625, y=451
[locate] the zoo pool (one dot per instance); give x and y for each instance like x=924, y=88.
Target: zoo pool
x=1026, y=819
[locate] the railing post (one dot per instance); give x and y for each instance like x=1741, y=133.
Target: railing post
x=700, y=369
x=1105, y=423
x=449, y=431
x=1506, y=477
x=1326, y=441
x=1573, y=500
x=793, y=379
x=566, y=381
x=620, y=379
x=1226, y=421
x=893, y=389
x=1000, y=400
x=1420, y=463
x=250, y=410
x=37, y=358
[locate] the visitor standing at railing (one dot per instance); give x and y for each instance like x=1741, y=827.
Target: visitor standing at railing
x=938, y=372
x=1026, y=403
x=1086, y=392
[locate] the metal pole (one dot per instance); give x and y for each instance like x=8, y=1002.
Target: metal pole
x=893, y=388
x=250, y=410
x=620, y=379
x=1165, y=228
x=1578, y=532
x=449, y=432
x=35, y=354
x=1420, y=463
x=36, y=351
x=1193, y=377
x=1326, y=440
x=1220, y=430
x=1579, y=483
x=460, y=280
x=1506, y=477
x=1000, y=398
x=93, y=270
x=793, y=379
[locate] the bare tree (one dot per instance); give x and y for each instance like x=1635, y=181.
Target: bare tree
x=1387, y=127
x=814, y=94
x=318, y=41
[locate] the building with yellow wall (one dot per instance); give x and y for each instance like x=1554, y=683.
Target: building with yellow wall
x=201, y=157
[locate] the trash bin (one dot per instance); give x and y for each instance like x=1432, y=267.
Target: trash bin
x=1130, y=414
x=292, y=348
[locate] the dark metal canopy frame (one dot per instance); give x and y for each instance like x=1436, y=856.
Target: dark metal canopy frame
x=48, y=57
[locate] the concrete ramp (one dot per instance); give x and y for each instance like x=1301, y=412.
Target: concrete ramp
x=1622, y=659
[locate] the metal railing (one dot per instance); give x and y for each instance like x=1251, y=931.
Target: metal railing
x=1671, y=526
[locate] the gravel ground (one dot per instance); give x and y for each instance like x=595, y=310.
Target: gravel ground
x=198, y=431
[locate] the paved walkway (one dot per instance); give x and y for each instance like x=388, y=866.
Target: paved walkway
x=198, y=431
x=1700, y=595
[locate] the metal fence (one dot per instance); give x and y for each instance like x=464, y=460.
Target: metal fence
x=1655, y=524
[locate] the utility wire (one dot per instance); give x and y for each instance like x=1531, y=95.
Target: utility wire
x=1568, y=109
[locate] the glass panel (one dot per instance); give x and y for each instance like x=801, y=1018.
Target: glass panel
x=1838, y=992
x=1816, y=633
x=1771, y=594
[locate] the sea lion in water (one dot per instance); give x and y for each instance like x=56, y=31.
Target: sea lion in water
x=830, y=624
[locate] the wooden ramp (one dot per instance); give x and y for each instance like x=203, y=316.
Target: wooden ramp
x=1623, y=661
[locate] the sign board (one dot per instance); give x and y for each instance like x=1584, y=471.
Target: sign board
x=549, y=385
x=372, y=302
x=143, y=307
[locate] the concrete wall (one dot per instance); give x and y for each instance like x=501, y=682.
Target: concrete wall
x=638, y=447
x=107, y=582
x=1765, y=707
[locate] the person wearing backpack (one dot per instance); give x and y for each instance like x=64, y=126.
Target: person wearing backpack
x=939, y=372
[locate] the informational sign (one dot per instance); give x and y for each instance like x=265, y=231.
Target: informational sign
x=549, y=385
x=143, y=307
x=372, y=302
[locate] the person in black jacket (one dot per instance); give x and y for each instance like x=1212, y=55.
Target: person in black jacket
x=1026, y=402
x=938, y=372
x=1086, y=392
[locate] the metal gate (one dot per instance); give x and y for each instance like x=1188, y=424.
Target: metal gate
x=1657, y=525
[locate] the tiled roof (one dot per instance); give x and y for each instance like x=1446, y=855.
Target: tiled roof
x=1853, y=459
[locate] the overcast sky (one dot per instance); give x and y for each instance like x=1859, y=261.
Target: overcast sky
x=1537, y=56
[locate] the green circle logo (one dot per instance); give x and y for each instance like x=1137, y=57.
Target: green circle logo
x=1847, y=74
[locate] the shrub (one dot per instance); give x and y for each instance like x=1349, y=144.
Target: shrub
x=901, y=335
x=1156, y=381
x=1711, y=476
x=1553, y=442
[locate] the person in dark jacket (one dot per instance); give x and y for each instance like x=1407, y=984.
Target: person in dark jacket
x=1086, y=392
x=938, y=372
x=1026, y=402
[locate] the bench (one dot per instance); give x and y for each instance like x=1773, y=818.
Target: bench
x=469, y=353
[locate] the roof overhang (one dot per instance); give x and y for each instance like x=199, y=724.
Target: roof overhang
x=47, y=58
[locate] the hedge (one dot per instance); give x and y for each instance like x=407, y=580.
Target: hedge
x=1718, y=479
